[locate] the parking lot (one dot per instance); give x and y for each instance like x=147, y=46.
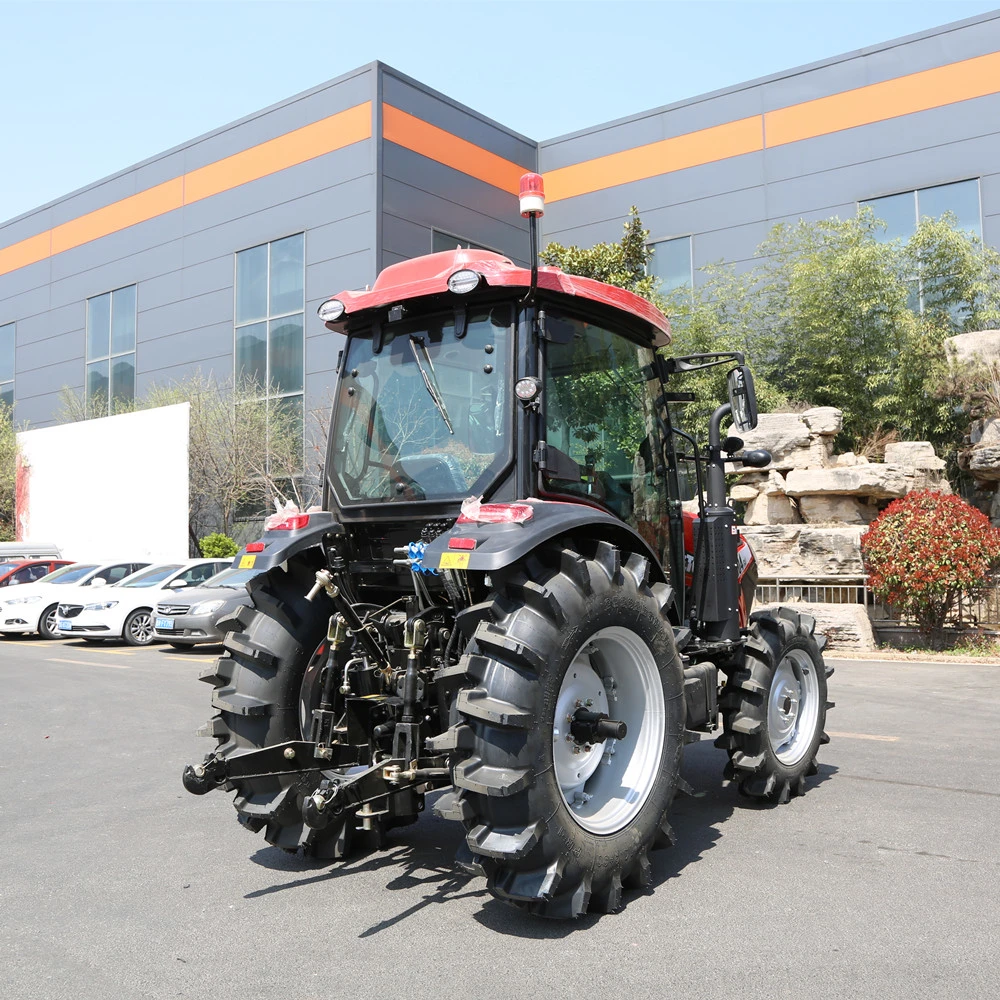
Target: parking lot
x=883, y=881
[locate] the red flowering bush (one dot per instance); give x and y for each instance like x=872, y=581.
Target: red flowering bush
x=925, y=551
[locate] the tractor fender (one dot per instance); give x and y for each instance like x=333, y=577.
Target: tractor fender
x=500, y=545
x=281, y=544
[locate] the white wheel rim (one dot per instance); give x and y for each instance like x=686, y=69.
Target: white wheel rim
x=605, y=787
x=793, y=707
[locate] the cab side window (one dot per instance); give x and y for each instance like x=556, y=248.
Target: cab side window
x=598, y=413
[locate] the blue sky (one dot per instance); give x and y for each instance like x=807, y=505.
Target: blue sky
x=87, y=89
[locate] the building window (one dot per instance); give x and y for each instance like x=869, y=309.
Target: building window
x=270, y=341
x=671, y=263
x=7, y=366
x=111, y=351
x=441, y=242
x=901, y=212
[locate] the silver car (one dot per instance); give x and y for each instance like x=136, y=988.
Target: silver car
x=189, y=617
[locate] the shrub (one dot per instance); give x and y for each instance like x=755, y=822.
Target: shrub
x=217, y=546
x=925, y=552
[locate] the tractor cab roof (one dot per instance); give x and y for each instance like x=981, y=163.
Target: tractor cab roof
x=428, y=275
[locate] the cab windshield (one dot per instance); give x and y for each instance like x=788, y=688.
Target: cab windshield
x=428, y=416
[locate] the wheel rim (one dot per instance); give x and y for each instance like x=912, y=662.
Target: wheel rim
x=50, y=621
x=606, y=786
x=141, y=628
x=793, y=707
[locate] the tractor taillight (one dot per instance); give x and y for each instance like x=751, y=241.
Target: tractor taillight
x=495, y=513
x=532, y=195
x=255, y=547
x=286, y=522
x=462, y=543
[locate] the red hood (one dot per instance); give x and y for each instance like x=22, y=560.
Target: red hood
x=428, y=275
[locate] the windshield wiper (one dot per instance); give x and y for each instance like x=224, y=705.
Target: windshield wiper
x=430, y=380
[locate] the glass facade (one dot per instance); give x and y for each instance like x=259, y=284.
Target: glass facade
x=671, y=263
x=902, y=212
x=270, y=328
x=111, y=320
x=7, y=365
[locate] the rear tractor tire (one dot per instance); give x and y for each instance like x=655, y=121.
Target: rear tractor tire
x=557, y=822
x=774, y=708
x=258, y=692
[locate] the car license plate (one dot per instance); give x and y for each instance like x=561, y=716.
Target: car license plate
x=65, y=625
x=164, y=623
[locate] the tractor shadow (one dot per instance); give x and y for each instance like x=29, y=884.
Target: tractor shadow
x=421, y=857
x=417, y=858
x=696, y=820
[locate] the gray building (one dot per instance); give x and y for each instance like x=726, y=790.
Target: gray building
x=213, y=256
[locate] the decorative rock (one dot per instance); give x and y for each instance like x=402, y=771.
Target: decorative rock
x=775, y=483
x=773, y=508
x=846, y=626
x=985, y=432
x=995, y=510
x=794, y=551
x=919, y=454
x=848, y=459
x=826, y=420
x=835, y=510
x=967, y=346
x=743, y=492
x=871, y=480
x=984, y=462
x=787, y=437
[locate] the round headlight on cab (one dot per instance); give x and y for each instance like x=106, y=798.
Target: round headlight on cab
x=464, y=281
x=331, y=310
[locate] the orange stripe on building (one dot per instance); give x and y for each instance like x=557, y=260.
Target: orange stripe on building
x=119, y=215
x=923, y=91
x=437, y=144
x=689, y=150
x=288, y=150
x=29, y=251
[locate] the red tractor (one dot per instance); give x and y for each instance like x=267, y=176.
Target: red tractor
x=503, y=600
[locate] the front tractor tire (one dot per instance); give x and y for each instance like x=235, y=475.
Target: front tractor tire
x=560, y=822
x=258, y=694
x=774, y=708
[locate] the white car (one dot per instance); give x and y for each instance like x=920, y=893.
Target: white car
x=31, y=607
x=125, y=610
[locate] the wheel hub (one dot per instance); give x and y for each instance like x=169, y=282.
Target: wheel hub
x=612, y=686
x=793, y=707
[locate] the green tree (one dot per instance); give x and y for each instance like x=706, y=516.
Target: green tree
x=622, y=263
x=217, y=546
x=829, y=313
x=8, y=474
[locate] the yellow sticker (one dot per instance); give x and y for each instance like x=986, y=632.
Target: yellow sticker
x=247, y=562
x=454, y=560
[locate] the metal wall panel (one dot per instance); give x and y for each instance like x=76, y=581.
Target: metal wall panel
x=183, y=261
x=730, y=205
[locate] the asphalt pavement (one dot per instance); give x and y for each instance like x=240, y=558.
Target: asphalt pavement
x=882, y=881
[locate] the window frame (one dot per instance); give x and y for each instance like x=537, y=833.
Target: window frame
x=111, y=356
x=915, y=192
x=651, y=245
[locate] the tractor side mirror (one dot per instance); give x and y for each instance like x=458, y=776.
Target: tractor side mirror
x=743, y=398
